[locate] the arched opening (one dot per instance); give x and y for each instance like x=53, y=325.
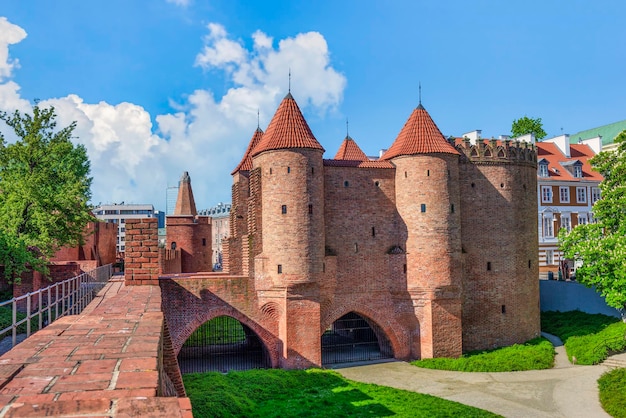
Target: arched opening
x=223, y=344
x=353, y=338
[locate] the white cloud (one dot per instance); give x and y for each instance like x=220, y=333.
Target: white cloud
x=9, y=34
x=134, y=161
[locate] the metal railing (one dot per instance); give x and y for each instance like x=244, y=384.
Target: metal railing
x=42, y=307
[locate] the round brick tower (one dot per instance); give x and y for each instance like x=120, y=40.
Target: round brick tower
x=292, y=190
x=428, y=201
x=291, y=231
x=499, y=199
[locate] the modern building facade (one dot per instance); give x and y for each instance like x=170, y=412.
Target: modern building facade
x=119, y=213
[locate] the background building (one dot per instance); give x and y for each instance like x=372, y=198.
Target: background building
x=220, y=217
x=119, y=213
x=567, y=188
x=171, y=193
x=606, y=134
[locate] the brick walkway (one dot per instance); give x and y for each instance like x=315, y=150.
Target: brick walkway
x=104, y=362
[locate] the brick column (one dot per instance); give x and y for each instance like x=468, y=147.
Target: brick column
x=142, y=252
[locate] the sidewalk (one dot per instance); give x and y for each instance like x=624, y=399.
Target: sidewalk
x=560, y=392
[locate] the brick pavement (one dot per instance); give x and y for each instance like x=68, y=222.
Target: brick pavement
x=106, y=362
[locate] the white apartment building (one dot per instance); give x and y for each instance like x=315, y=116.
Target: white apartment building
x=119, y=213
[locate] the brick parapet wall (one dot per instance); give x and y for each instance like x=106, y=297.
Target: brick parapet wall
x=169, y=261
x=142, y=252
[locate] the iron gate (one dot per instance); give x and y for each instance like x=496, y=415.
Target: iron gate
x=352, y=338
x=222, y=344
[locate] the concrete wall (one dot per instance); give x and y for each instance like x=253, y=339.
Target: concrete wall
x=571, y=296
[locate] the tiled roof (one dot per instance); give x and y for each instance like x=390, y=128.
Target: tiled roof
x=288, y=129
x=349, y=150
x=246, y=161
x=608, y=133
x=419, y=135
x=557, y=161
x=358, y=164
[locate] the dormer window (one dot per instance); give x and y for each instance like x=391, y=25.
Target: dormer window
x=543, y=168
x=578, y=171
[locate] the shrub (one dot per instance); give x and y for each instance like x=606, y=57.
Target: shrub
x=612, y=387
x=535, y=354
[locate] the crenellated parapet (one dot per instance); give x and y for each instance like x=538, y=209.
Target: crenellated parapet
x=495, y=151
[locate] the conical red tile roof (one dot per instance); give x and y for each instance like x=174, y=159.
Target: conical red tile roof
x=349, y=150
x=246, y=161
x=288, y=129
x=419, y=135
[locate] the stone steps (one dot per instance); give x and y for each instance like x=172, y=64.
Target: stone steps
x=614, y=363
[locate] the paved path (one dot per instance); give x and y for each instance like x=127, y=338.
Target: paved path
x=564, y=391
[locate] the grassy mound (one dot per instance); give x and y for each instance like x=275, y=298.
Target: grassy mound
x=310, y=393
x=588, y=338
x=535, y=354
x=612, y=387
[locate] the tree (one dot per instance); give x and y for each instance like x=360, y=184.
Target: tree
x=44, y=190
x=601, y=246
x=526, y=125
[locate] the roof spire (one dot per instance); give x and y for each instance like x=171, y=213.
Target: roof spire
x=420, y=92
x=347, y=131
x=289, y=79
x=258, y=119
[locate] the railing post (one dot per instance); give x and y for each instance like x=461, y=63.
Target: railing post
x=39, y=310
x=14, y=333
x=28, y=296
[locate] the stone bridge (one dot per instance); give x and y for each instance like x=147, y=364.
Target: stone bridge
x=114, y=359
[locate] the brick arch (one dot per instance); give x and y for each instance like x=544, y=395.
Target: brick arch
x=394, y=332
x=268, y=340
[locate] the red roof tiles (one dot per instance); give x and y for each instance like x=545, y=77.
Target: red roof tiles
x=358, y=164
x=419, y=135
x=288, y=129
x=581, y=152
x=349, y=150
x=246, y=161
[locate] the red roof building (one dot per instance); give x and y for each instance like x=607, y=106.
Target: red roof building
x=567, y=188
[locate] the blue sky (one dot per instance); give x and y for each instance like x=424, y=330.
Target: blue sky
x=163, y=86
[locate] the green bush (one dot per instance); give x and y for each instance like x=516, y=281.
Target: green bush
x=588, y=338
x=612, y=387
x=310, y=393
x=535, y=354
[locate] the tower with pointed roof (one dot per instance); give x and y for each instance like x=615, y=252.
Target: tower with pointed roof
x=428, y=201
x=289, y=253
x=188, y=232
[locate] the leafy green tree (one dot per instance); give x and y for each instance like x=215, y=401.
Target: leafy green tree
x=526, y=125
x=44, y=190
x=601, y=246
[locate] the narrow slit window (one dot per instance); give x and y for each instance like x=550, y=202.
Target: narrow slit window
x=488, y=265
x=452, y=208
x=204, y=242
x=280, y=268
x=423, y=207
x=503, y=309
x=310, y=209
x=288, y=169
x=373, y=231
x=356, y=247
x=428, y=173
x=270, y=170
x=404, y=268
x=346, y=183
x=529, y=263
x=283, y=209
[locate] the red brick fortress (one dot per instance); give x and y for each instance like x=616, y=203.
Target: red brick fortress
x=434, y=243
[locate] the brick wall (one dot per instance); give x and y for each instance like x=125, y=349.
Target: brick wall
x=192, y=237
x=142, y=253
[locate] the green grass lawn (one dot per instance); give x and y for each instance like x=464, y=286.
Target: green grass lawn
x=535, y=354
x=613, y=392
x=310, y=393
x=589, y=338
